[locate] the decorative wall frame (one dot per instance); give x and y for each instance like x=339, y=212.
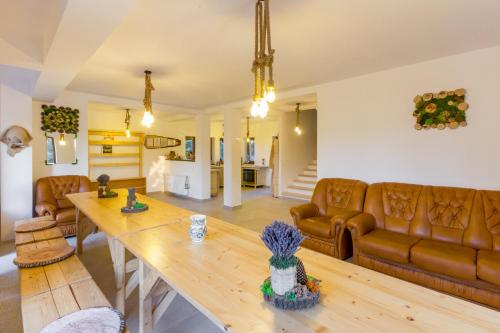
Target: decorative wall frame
x=59, y=119
x=441, y=110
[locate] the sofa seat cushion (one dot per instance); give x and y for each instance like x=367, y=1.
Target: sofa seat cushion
x=66, y=215
x=488, y=266
x=321, y=226
x=445, y=258
x=388, y=245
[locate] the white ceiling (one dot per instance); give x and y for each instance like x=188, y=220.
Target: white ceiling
x=200, y=51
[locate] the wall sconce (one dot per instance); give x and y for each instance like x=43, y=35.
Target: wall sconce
x=62, y=140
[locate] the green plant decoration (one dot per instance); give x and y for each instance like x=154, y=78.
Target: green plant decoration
x=441, y=110
x=59, y=119
x=266, y=288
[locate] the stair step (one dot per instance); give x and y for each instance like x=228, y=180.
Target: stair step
x=314, y=162
x=312, y=167
x=296, y=196
x=310, y=172
x=307, y=178
x=293, y=190
x=306, y=184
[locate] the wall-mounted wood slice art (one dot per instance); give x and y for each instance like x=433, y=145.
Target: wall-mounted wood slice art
x=157, y=142
x=441, y=110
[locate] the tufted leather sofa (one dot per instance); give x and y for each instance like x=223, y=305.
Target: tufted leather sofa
x=334, y=199
x=51, y=199
x=440, y=237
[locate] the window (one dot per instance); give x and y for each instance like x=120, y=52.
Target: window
x=51, y=151
x=190, y=148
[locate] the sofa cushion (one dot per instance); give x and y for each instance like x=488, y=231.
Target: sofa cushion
x=320, y=226
x=388, y=245
x=488, y=266
x=445, y=258
x=66, y=215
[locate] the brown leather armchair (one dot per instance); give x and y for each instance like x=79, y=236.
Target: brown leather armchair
x=334, y=201
x=51, y=199
x=439, y=237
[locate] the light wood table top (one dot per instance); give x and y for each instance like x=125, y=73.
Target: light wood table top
x=221, y=277
x=106, y=214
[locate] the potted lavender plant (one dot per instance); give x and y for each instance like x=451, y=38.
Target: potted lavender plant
x=283, y=240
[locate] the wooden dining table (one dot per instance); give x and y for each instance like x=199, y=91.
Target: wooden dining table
x=222, y=275
x=104, y=214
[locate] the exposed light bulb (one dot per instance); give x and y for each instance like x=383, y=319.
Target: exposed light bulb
x=62, y=140
x=248, y=139
x=127, y=132
x=254, y=111
x=148, y=119
x=270, y=95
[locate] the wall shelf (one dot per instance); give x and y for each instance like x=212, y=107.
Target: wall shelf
x=130, y=148
x=114, y=143
x=104, y=165
x=114, y=155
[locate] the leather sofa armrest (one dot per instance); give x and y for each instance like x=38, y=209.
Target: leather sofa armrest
x=45, y=208
x=340, y=220
x=360, y=225
x=339, y=223
x=303, y=212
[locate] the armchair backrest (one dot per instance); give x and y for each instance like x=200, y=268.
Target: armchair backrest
x=54, y=189
x=444, y=214
x=394, y=205
x=333, y=195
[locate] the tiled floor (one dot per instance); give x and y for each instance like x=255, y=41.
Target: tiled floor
x=259, y=208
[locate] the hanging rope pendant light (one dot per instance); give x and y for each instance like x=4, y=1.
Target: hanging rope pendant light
x=148, y=118
x=264, y=92
x=127, y=122
x=297, y=129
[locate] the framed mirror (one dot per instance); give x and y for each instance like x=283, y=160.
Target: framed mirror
x=60, y=148
x=190, y=148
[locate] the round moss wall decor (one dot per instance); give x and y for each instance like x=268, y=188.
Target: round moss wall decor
x=59, y=119
x=441, y=110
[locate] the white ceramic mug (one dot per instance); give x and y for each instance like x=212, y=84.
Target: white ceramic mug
x=198, y=229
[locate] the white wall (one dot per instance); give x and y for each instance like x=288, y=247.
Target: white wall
x=15, y=172
x=75, y=101
x=296, y=151
x=365, y=125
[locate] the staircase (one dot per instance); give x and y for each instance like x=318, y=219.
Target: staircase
x=303, y=186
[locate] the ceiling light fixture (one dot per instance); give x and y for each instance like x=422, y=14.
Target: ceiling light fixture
x=127, y=122
x=297, y=129
x=264, y=93
x=148, y=118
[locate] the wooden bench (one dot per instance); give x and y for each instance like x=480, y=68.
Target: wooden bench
x=52, y=291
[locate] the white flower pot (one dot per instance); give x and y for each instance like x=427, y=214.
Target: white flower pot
x=283, y=280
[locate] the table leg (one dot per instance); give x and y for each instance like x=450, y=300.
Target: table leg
x=118, y=256
x=84, y=227
x=151, y=285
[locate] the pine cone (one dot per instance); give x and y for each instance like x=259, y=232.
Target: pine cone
x=301, y=273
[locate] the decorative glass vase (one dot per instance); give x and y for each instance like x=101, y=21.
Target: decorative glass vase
x=283, y=280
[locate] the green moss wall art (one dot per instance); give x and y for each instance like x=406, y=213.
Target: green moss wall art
x=441, y=110
x=59, y=119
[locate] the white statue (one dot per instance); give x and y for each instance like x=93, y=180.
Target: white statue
x=16, y=138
